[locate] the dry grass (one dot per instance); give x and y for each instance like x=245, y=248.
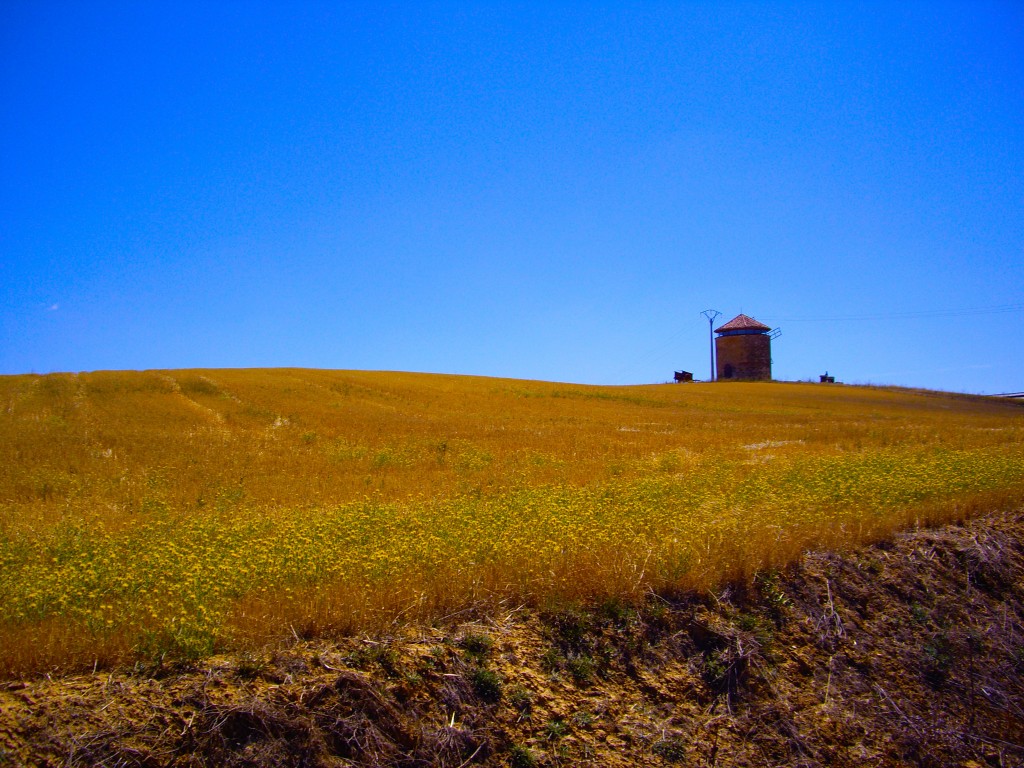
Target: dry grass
x=152, y=514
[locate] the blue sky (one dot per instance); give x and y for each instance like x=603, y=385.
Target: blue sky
x=549, y=191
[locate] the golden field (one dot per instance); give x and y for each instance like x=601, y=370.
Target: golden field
x=160, y=514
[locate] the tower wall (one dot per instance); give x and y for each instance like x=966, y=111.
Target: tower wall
x=744, y=356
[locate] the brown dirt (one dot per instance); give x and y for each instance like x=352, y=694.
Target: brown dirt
x=908, y=652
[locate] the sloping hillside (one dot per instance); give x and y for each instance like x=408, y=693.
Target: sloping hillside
x=907, y=652
x=148, y=517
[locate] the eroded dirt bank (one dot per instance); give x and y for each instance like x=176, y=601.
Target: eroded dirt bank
x=910, y=652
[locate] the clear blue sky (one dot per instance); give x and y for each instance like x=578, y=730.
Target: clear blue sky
x=525, y=190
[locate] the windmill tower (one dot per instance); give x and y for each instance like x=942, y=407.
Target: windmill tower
x=744, y=350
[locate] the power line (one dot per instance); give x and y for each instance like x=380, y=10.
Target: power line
x=924, y=314
x=653, y=352
x=910, y=315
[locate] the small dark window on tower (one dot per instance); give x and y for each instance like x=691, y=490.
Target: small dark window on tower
x=728, y=370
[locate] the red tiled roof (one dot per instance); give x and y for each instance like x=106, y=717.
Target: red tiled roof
x=742, y=323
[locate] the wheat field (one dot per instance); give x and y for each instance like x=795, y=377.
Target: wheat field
x=172, y=514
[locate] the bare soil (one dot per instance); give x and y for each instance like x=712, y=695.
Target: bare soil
x=907, y=652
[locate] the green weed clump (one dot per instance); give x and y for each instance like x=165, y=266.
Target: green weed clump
x=486, y=684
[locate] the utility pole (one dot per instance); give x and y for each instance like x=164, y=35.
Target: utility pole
x=711, y=314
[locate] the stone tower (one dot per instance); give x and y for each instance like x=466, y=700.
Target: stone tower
x=744, y=350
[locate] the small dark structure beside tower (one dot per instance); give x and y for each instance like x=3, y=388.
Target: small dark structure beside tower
x=743, y=350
